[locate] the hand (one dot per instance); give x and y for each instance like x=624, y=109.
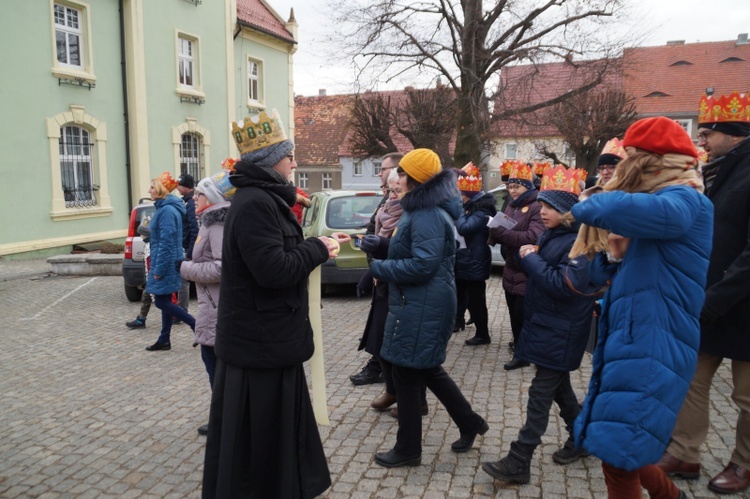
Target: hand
x=526, y=250
x=341, y=237
x=332, y=245
x=370, y=243
x=618, y=245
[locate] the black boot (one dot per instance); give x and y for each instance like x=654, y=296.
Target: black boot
x=512, y=469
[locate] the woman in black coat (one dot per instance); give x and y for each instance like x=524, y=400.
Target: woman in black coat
x=262, y=437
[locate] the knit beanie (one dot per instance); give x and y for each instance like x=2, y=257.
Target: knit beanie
x=217, y=188
x=521, y=181
x=186, y=180
x=421, y=164
x=267, y=157
x=735, y=128
x=608, y=159
x=659, y=135
x=561, y=201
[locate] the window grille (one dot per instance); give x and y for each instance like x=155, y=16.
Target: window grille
x=191, y=153
x=77, y=167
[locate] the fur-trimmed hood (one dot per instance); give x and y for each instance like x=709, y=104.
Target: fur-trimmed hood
x=440, y=191
x=216, y=213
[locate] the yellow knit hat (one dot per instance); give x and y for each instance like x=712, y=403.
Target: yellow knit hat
x=421, y=164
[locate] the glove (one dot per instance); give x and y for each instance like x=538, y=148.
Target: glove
x=178, y=265
x=370, y=243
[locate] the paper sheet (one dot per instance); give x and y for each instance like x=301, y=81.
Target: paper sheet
x=317, y=367
x=501, y=220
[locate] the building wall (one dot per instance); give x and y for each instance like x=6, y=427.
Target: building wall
x=367, y=180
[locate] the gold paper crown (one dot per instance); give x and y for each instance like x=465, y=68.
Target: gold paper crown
x=167, y=181
x=507, y=165
x=252, y=135
x=228, y=164
x=582, y=174
x=615, y=147
x=521, y=171
x=734, y=107
x=540, y=167
x=472, y=181
x=560, y=178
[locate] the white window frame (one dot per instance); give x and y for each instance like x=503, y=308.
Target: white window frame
x=77, y=166
x=62, y=210
x=687, y=125
x=193, y=59
x=191, y=126
x=357, y=168
x=255, y=96
x=376, y=167
x=326, y=181
x=84, y=71
x=192, y=158
x=515, y=151
x=71, y=29
x=302, y=180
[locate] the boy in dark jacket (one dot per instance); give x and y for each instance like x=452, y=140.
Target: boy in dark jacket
x=555, y=329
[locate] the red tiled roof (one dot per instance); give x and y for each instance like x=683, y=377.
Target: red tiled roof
x=532, y=84
x=255, y=14
x=321, y=125
x=677, y=75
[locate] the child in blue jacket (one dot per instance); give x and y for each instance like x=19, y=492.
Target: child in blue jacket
x=557, y=318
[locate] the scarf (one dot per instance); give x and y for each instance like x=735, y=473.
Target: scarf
x=387, y=217
x=643, y=172
x=710, y=170
x=522, y=199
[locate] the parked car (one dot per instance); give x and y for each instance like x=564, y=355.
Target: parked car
x=501, y=194
x=341, y=211
x=133, y=271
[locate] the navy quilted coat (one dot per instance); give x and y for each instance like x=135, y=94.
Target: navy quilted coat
x=557, y=320
x=648, y=330
x=419, y=272
x=473, y=262
x=166, y=246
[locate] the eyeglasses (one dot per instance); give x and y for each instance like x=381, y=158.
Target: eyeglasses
x=199, y=194
x=514, y=186
x=703, y=136
x=610, y=168
x=291, y=157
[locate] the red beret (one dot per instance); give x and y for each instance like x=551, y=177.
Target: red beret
x=659, y=135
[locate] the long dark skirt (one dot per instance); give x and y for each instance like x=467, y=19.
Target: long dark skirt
x=263, y=440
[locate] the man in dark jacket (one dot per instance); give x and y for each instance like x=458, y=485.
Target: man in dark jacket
x=725, y=318
x=185, y=185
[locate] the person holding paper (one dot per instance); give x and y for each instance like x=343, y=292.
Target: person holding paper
x=524, y=209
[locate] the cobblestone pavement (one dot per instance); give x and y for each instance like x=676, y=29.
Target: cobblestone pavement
x=85, y=411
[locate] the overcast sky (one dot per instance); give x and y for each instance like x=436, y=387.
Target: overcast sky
x=689, y=20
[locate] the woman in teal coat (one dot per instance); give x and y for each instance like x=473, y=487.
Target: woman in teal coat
x=660, y=238
x=422, y=304
x=166, y=256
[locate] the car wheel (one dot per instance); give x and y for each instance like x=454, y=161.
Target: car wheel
x=133, y=293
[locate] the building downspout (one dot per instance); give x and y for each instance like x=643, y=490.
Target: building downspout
x=125, y=105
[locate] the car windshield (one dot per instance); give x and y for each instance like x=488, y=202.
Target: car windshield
x=350, y=212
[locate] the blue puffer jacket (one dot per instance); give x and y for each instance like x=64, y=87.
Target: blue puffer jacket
x=648, y=329
x=557, y=320
x=166, y=246
x=419, y=272
x=474, y=261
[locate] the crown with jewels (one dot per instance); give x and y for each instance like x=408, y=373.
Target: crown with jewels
x=563, y=179
x=521, y=171
x=614, y=146
x=252, y=135
x=734, y=107
x=507, y=165
x=221, y=180
x=167, y=181
x=472, y=181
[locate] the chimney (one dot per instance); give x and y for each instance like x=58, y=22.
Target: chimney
x=742, y=39
x=676, y=42
x=322, y=92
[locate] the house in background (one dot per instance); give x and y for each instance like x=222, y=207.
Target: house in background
x=107, y=95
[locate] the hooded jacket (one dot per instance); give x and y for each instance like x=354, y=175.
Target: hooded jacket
x=205, y=271
x=473, y=262
x=420, y=275
x=648, y=329
x=166, y=246
x=189, y=224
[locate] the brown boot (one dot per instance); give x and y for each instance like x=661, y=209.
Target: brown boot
x=677, y=468
x=383, y=402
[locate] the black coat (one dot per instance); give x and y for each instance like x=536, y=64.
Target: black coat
x=263, y=313
x=728, y=278
x=189, y=225
x=474, y=261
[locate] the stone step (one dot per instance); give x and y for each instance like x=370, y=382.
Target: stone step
x=86, y=264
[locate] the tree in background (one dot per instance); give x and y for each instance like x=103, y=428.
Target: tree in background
x=371, y=122
x=468, y=45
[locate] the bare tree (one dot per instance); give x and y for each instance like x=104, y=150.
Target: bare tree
x=468, y=45
x=587, y=121
x=372, y=121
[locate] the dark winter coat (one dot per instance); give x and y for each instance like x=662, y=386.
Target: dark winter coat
x=420, y=275
x=189, y=224
x=728, y=281
x=263, y=318
x=205, y=270
x=648, y=329
x=166, y=246
x=557, y=320
x=473, y=262
x=525, y=211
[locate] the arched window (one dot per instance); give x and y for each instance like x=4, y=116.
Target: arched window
x=77, y=167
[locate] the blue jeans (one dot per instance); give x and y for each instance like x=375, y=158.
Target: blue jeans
x=169, y=310
x=209, y=360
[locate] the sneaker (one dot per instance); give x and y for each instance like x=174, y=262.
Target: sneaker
x=137, y=323
x=568, y=454
x=367, y=376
